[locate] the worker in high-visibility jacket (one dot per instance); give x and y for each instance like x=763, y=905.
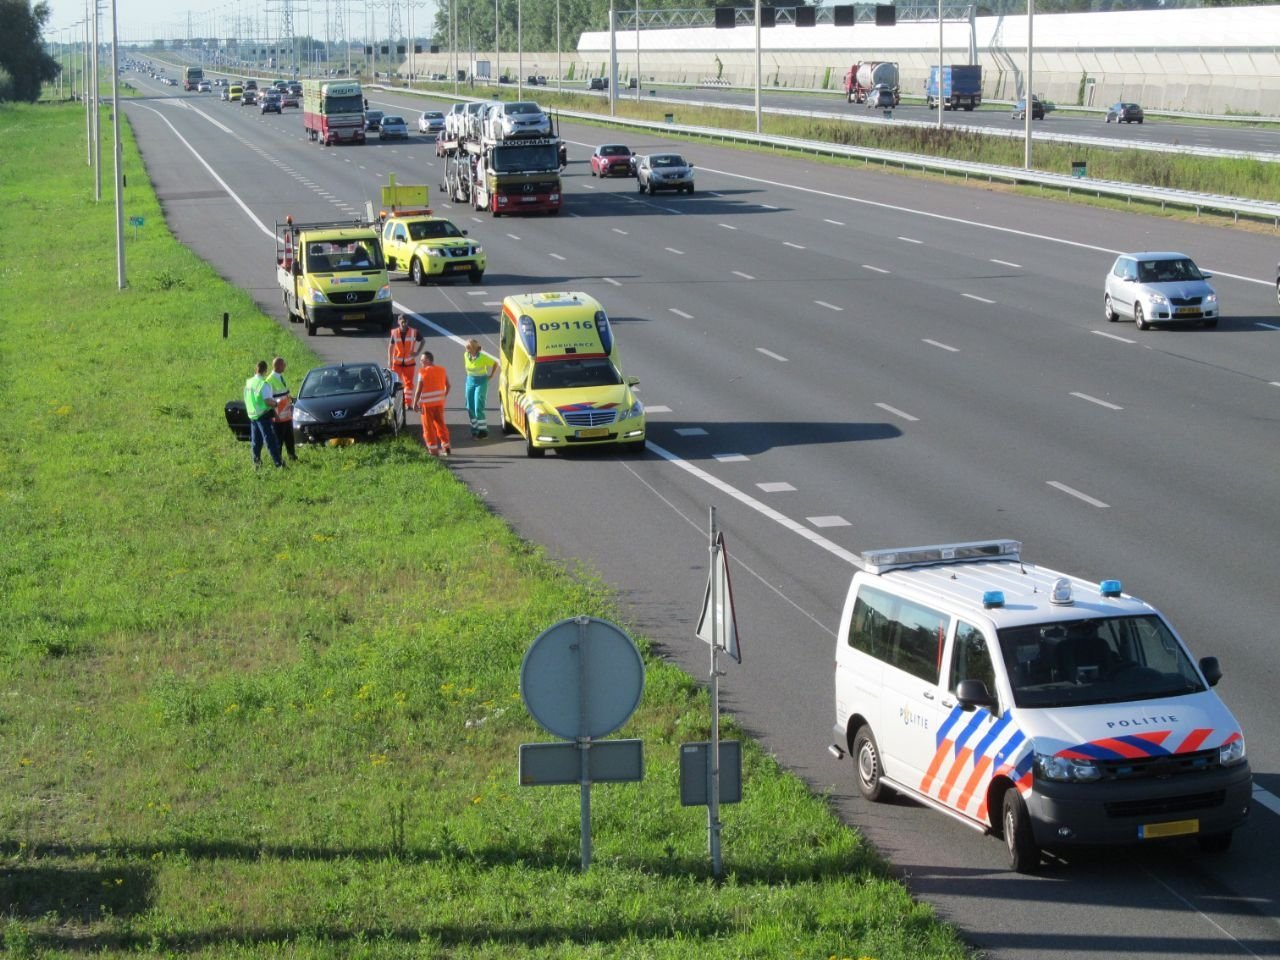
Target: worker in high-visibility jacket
x=402, y=353
x=259, y=406
x=480, y=370
x=430, y=388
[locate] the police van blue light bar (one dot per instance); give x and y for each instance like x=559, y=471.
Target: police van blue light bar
x=1110, y=588
x=993, y=598
x=881, y=561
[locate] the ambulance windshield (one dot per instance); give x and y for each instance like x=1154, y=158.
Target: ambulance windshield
x=1106, y=660
x=570, y=372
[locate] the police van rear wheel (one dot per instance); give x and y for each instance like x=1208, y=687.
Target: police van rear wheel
x=866, y=761
x=1024, y=855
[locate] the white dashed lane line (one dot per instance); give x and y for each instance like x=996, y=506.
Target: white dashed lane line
x=730, y=457
x=744, y=276
x=1112, y=336
x=793, y=246
x=726, y=226
x=867, y=266
x=834, y=223
x=828, y=521
x=898, y=413
x=1072, y=492
x=910, y=240
x=942, y=346
x=829, y=306
x=1267, y=326
x=974, y=296
x=678, y=253
x=1006, y=263
x=1101, y=403
x=776, y=487
x=619, y=231
x=771, y=355
x=681, y=313
x=616, y=283
x=556, y=256
x=690, y=432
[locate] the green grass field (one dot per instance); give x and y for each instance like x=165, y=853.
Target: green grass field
x=278, y=714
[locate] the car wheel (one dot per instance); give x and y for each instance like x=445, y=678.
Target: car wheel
x=691, y=189
x=1211, y=322
x=635, y=448
x=1108, y=118
x=1024, y=855
x=418, y=274
x=1108, y=310
x=866, y=761
x=1139, y=121
x=475, y=276
x=1139, y=318
x=593, y=169
x=531, y=451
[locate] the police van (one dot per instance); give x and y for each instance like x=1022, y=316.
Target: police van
x=1031, y=704
x=559, y=383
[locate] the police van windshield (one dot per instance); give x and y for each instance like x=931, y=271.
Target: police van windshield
x=572, y=372
x=1107, y=660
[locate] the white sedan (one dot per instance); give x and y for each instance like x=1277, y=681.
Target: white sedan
x=431, y=121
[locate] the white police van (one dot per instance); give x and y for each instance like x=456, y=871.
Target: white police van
x=1029, y=703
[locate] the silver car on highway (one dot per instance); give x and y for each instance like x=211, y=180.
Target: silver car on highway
x=1156, y=288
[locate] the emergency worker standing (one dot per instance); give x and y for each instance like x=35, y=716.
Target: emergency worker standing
x=258, y=405
x=402, y=354
x=431, y=387
x=480, y=370
x=283, y=401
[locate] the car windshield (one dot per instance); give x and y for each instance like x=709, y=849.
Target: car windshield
x=331, y=256
x=434, y=116
x=666, y=160
x=523, y=108
x=430, y=229
x=1167, y=271
x=573, y=372
x=519, y=157
x=615, y=150
x=393, y=120
x=1105, y=660
x=337, y=381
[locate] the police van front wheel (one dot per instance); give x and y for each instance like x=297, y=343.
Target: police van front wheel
x=866, y=761
x=1024, y=855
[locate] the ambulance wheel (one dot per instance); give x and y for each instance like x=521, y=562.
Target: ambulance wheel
x=866, y=761
x=503, y=424
x=417, y=273
x=310, y=325
x=633, y=448
x=476, y=276
x=1214, y=842
x=1024, y=855
x=531, y=451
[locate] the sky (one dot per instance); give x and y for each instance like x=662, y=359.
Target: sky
x=146, y=20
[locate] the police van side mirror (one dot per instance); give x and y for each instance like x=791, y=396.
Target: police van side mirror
x=1211, y=669
x=974, y=693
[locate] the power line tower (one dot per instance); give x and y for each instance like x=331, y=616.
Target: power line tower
x=395, y=33
x=285, y=39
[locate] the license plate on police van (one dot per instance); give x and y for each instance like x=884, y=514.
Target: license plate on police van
x=1176, y=828
x=588, y=433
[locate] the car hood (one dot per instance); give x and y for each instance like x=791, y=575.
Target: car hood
x=1180, y=289
x=1144, y=728
x=346, y=406
x=586, y=398
x=447, y=243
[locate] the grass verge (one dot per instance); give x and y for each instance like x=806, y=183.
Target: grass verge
x=277, y=714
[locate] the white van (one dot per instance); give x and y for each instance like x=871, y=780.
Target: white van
x=1032, y=704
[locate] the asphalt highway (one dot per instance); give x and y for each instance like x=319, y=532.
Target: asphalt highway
x=840, y=359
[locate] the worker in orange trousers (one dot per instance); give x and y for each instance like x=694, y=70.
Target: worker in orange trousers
x=430, y=388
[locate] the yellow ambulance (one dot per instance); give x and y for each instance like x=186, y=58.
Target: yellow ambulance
x=559, y=382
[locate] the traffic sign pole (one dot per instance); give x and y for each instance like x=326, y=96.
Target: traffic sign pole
x=713, y=764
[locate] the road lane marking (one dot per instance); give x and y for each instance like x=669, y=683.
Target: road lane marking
x=730, y=457
x=898, y=413
x=867, y=266
x=513, y=236
x=690, y=432
x=829, y=306
x=775, y=356
x=726, y=226
x=780, y=487
x=794, y=246
x=974, y=296
x=744, y=276
x=829, y=521
x=1112, y=336
x=941, y=346
x=910, y=240
x=1269, y=326
x=678, y=253
x=1101, y=403
x=618, y=230
x=616, y=283
x=834, y=223
x=556, y=255
x=681, y=313
x=1006, y=263
x=656, y=408
x=1071, y=491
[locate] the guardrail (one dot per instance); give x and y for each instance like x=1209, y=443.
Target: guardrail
x=1236, y=206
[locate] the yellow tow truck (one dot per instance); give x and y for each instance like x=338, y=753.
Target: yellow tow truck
x=333, y=274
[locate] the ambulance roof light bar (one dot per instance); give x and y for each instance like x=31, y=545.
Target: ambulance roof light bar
x=882, y=561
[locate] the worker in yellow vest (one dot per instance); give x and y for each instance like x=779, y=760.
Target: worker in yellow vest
x=402, y=354
x=430, y=388
x=480, y=370
x=260, y=406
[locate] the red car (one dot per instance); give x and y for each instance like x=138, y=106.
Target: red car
x=612, y=160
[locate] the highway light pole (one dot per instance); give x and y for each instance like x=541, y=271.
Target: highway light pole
x=1026, y=94
x=115, y=126
x=939, y=64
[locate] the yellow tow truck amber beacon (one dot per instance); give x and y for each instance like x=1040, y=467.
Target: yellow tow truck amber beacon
x=560, y=384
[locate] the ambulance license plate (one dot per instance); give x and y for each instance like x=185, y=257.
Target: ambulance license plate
x=1177, y=828
x=590, y=432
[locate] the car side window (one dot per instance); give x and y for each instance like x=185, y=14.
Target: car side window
x=971, y=658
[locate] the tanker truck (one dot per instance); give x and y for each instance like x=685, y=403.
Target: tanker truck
x=865, y=76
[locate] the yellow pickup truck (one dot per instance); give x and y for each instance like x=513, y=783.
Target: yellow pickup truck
x=424, y=246
x=333, y=274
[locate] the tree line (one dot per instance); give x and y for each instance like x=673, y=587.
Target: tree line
x=24, y=64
